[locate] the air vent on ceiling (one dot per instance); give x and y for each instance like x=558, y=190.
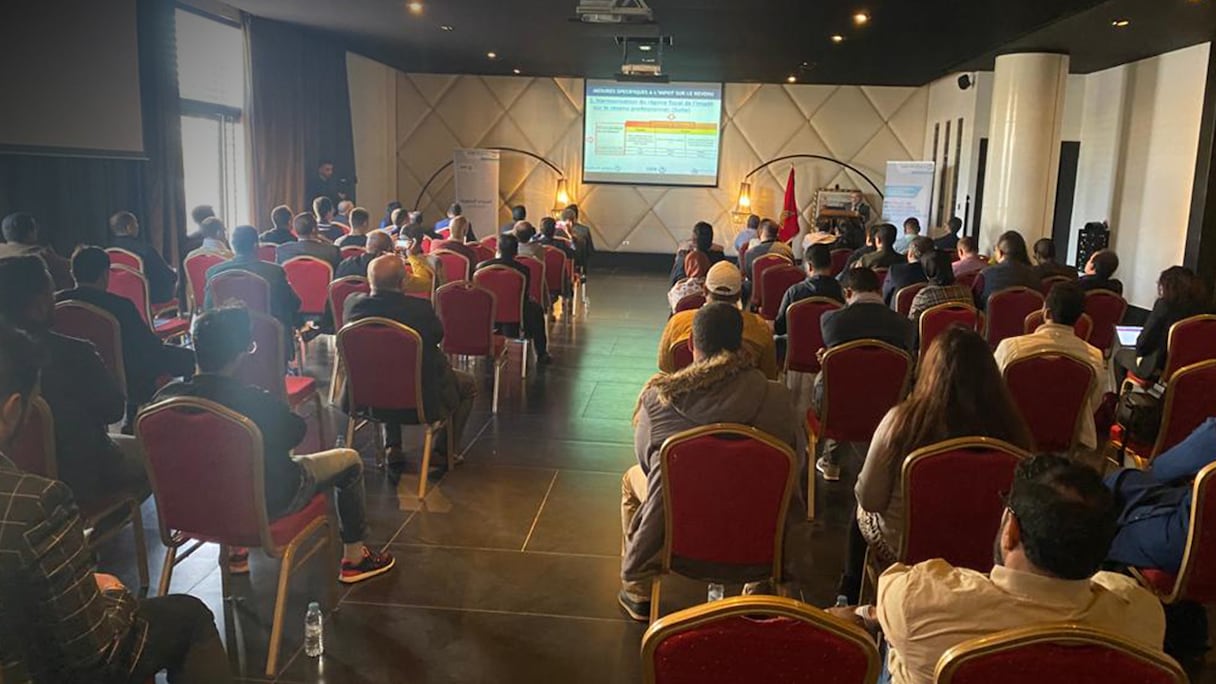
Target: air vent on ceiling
x=614, y=12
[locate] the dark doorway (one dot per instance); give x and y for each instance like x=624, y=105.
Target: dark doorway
x=1066, y=190
x=981, y=174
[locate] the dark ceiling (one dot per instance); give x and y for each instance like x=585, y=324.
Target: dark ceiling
x=907, y=42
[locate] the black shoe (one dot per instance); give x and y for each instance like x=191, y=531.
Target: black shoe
x=544, y=360
x=637, y=610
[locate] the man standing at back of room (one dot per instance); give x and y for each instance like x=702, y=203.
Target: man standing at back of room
x=721, y=386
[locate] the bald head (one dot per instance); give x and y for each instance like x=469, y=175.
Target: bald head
x=386, y=273
x=379, y=242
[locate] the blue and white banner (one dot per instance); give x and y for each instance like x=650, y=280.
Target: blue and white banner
x=908, y=192
x=477, y=188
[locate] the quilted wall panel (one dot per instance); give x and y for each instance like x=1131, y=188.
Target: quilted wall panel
x=864, y=126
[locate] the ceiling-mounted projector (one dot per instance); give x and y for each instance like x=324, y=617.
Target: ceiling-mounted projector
x=614, y=12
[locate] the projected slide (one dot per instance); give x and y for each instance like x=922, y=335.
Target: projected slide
x=659, y=134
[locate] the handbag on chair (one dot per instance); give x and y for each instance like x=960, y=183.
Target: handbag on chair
x=1139, y=412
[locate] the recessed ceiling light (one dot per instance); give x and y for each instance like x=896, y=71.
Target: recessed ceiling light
x=446, y=27
x=861, y=18
x=1121, y=23
x=837, y=38
x=791, y=79
x=645, y=47
x=414, y=7
x=516, y=72
x=492, y=55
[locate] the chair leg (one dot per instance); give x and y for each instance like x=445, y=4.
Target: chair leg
x=452, y=455
x=427, y=443
x=141, y=547
x=280, y=607
x=225, y=573
x=812, y=444
x=350, y=432
x=523, y=358
x=321, y=437
x=166, y=571
x=378, y=444
x=334, y=380
x=335, y=552
x=654, y=597
x=497, y=374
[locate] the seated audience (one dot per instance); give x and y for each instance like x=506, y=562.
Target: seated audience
x=518, y=213
x=308, y=244
x=949, y=241
x=883, y=255
x=388, y=221
x=723, y=283
x=222, y=339
x=769, y=244
x=378, y=242
x=284, y=303
x=345, y=207
x=1180, y=294
x=696, y=265
x=584, y=242
x=1099, y=270
x=1155, y=504
x=525, y=232
x=400, y=218
x=958, y=393
x=911, y=272
x=941, y=288
x=358, y=222
x=323, y=211
x=414, y=228
x=911, y=232
x=194, y=239
x=1012, y=269
x=83, y=395
x=702, y=242
x=969, y=260
x=20, y=232
x=455, y=211
x=215, y=239
x=162, y=279
x=750, y=232
x=1064, y=307
x=445, y=392
x=281, y=233
x=60, y=620
x=425, y=271
x=868, y=247
x=721, y=386
x=819, y=283
x=1054, y=536
x=1045, y=265
x=548, y=237
x=458, y=231
x=534, y=314
x=144, y=357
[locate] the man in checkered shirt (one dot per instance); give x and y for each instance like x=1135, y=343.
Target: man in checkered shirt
x=59, y=620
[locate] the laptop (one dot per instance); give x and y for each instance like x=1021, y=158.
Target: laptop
x=1128, y=334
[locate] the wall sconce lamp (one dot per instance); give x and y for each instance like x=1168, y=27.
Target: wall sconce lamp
x=743, y=206
x=561, y=199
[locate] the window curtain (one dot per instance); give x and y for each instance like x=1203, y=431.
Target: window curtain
x=299, y=113
x=163, y=218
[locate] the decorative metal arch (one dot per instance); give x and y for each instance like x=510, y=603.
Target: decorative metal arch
x=561, y=175
x=821, y=158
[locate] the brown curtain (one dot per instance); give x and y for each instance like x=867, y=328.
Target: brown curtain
x=299, y=113
x=164, y=207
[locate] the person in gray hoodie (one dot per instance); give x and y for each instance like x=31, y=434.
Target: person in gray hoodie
x=722, y=385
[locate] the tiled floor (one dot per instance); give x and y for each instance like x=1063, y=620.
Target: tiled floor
x=509, y=571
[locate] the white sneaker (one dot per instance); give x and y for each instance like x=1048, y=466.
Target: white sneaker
x=830, y=471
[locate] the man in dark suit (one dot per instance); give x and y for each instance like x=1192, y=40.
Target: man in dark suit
x=900, y=276
x=884, y=254
x=534, y=315
x=20, y=232
x=819, y=283
x=949, y=241
x=281, y=233
x=144, y=357
x=323, y=211
x=1098, y=271
x=1012, y=269
x=378, y=243
x=323, y=183
x=162, y=279
x=445, y=392
x=308, y=244
x=1045, y=261
x=284, y=303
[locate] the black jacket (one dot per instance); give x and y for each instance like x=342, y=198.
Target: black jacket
x=284, y=303
x=162, y=279
x=277, y=236
x=352, y=240
x=1151, y=344
x=354, y=266
x=1093, y=282
x=1007, y=274
x=1050, y=269
x=814, y=286
x=867, y=321
x=900, y=276
x=312, y=248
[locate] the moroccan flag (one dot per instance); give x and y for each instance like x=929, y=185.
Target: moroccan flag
x=789, y=212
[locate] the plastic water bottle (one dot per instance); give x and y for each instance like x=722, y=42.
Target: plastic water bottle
x=313, y=631
x=716, y=591
x=842, y=601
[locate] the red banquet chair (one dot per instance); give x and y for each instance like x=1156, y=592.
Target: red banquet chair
x=536, y=280
x=383, y=361
x=205, y=464
x=310, y=278
x=196, y=268
x=268, y=252
x=840, y=258
x=777, y=280
x=681, y=353
x=905, y=295
x=351, y=251
x=936, y=319
x=759, y=266
x=133, y=286
x=507, y=285
x=1083, y=328
x=239, y=286
x=483, y=252
x=555, y=272
x=1007, y=312
x=33, y=450
x=339, y=290
x=1055, y=653
x=759, y=640
x=1190, y=341
x=805, y=334
x=1106, y=310
x=467, y=314
x=726, y=492
x=1195, y=580
x=882, y=275
x=1049, y=282
x=266, y=367
x=1189, y=399
x=87, y=322
x=123, y=257
x=490, y=242
x=455, y=265
x=1052, y=392
x=690, y=302
x=862, y=380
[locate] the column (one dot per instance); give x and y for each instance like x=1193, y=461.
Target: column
x=1023, y=146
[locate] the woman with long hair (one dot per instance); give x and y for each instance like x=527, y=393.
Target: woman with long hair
x=941, y=288
x=959, y=393
x=1180, y=294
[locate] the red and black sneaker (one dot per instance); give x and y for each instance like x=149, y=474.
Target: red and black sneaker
x=373, y=563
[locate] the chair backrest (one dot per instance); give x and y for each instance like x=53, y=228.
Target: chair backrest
x=507, y=284
x=777, y=280
x=87, y=322
x=350, y=251
x=310, y=278
x=1196, y=578
x=383, y=361
x=242, y=287
x=467, y=314
x=342, y=288
x=483, y=252
x=268, y=252
x=726, y=491
x=122, y=257
x=936, y=319
x=455, y=265
x=1007, y=312
x=196, y=267
x=426, y=245
x=905, y=295
x=266, y=367
x=681, y=353
x=761, y=264
x=131, y=285
x=743, y=254
x=882, y=275
x=759, y=640
x=1190, y=398
x=1191, y=340
x=33, y=450
x=1055, y=654
x=1052, y=392
x=555, y=269
x=1049, y=282
x=840, y=257
x=204, y=462
x=690, y=302
x=1083, y=328
x=805, y=333
x=862, y=380
x=959, y=527
x=490, y=242
x=536, y=281
x=1106, y=309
